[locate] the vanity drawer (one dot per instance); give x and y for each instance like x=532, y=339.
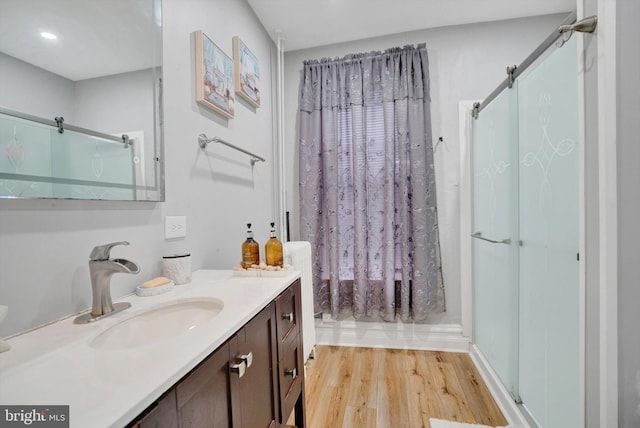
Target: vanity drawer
x=291, y=374
x=288, y=312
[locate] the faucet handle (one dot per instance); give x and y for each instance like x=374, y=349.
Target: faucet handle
x=101, y=252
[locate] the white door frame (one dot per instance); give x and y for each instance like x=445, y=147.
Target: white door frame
x=466, y=216
x=608, y=209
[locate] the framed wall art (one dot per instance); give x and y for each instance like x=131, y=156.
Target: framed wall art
x=246, y=72
x=214, y=76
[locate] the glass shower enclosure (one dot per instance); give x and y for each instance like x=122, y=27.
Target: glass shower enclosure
x=526, y=298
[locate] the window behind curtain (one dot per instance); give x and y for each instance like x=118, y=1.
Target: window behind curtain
x=374, y=160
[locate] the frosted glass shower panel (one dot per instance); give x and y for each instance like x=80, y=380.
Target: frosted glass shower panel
x=495, y=273
x=549, y=284
x=37, y=161
x=92, y=168
x=25, y=156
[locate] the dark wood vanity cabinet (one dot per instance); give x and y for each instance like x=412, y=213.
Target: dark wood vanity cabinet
x=254, y=380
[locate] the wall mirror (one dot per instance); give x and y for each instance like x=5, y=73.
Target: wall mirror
x=81, y=99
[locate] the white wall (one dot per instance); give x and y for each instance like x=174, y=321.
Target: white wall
x=45, y=244
x=466, y=62
x=628, y=109
x=105, y=104
x=592, y=220
x=32, y=90
x=111, y=104
x=116, y=103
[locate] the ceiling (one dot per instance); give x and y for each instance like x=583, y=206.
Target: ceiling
x=310, y=23
x=95, y=37
x=100, y=41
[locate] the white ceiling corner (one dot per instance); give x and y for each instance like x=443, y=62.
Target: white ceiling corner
x=310, y=23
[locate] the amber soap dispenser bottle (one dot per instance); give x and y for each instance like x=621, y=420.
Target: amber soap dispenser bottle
x=250, y=250
x=273, y=249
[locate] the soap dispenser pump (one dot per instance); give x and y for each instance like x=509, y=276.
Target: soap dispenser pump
x=250, y=250
x=273, y=249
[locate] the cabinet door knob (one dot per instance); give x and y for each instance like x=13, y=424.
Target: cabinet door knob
x=288, y=317
x=247, y=358
x=291, y=372
x=238, y=367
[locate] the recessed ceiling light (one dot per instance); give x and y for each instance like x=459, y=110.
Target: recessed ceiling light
x=49, y=36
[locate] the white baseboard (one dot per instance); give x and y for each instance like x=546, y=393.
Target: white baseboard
x=503, y=399
x=428, y=337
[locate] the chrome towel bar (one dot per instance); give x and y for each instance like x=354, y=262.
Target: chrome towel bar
x=203, y=141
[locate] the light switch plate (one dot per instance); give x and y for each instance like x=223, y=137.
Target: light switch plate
x=175, y=226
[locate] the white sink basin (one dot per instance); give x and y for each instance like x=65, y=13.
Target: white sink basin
x=158, y=324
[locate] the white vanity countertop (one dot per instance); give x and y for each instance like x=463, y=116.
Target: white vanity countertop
x=55, y=365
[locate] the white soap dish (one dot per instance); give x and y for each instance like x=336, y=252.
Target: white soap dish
x=154, y=291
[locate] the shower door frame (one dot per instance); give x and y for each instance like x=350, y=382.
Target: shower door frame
x=505, y=401
x=598, y=226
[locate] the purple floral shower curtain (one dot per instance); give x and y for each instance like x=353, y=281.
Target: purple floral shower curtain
x=367, y=186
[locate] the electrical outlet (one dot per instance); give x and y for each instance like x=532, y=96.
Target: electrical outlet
x=175, y=226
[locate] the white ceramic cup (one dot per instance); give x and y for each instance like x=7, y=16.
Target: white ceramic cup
x=177, y=268
x=3, y=312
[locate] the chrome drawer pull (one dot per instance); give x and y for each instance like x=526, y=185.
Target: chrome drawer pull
x=288, y=317
x=291, y=372
x=247, y=358
x=238, y=368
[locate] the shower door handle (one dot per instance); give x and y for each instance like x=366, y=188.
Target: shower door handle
x=478, y=235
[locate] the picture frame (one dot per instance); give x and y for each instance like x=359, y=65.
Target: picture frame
x=246, y=72
x=214, y=76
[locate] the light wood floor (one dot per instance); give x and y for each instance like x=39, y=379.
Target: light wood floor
x=385, y=388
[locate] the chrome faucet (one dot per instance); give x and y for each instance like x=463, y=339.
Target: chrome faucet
x=101, y=267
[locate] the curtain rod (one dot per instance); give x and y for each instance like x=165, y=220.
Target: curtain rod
x=359, y=56
x=203, y=141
